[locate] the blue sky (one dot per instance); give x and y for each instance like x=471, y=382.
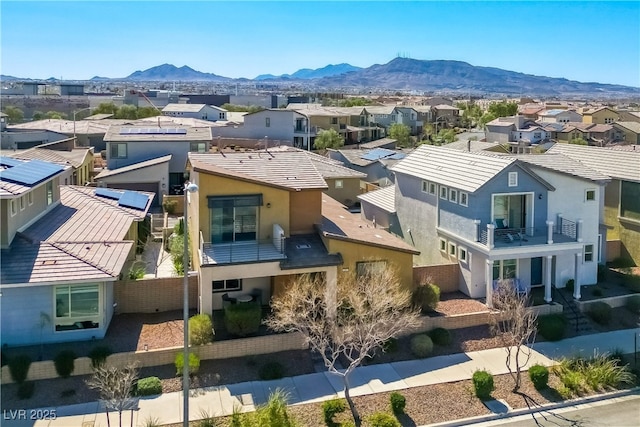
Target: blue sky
x=585, y=41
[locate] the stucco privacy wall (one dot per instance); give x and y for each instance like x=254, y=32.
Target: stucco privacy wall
x=154, y=295
x=446, y=276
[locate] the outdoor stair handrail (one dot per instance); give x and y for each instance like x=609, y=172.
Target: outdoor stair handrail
x=567, y=303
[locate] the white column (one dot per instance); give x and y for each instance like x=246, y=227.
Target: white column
x=548, y=262
x=488, y=277
x=579, y=230
x=576, y=284
x=490, y=229
x=549, y=232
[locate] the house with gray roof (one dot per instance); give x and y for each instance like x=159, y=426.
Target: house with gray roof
x=195, y=111
x=500, y=217
x=63, y=248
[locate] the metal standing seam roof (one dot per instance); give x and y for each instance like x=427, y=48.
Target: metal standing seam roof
x=114, y=134
x=292, y=170
x=385, y=198
x=339, y=223
x=136, y=166
x=618, y=164
x=467, y=171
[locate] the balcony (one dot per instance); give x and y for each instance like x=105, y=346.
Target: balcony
x=565, y=231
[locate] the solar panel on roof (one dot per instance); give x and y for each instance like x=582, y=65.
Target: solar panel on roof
x=8, y=161
x=377, y=153
x=109, y=194
x=30, y=173
x=134, y=200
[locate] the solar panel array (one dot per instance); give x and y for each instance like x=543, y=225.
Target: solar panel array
x=9, y=162
x=377, y=153
x=128, y=199
x=30, y=173
x=153, y=131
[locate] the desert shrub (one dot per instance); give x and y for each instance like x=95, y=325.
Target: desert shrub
x=440, y=336
x=169, y=206
x=194, y=363
x=539, y=376
x=98, y=355
x=552, y=327
x=137, y=270
x=274, y=413
x=151, y=422
x=149, y=386
x=242, y=319
x=604, y=371
x=633, y=304
x=564, y=392
x=600, y=312
x=332, y=407
x=426, y=297
x=382, y=419
x=64, y=363
x=482, y=384
x=25, y=390
x=421, y=345
x=200, y=329
x=271, y=371
x=573, y=381
x=570, y=285
x=19, y=367
x=596, y=291
x=398, y=402
x=390, y=345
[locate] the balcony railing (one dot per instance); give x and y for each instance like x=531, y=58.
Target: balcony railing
x=567, y=228
x=241, y=252
x=566, y=231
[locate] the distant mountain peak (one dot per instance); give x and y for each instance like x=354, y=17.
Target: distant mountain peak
x=171, y=72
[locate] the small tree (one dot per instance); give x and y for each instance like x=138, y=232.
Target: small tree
x=401, y=133
x=15, y=115
x=347, y=322
x=514, y=325
x=328, y=139
x=578, y=141
x=115, y=386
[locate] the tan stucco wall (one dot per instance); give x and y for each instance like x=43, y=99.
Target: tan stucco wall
x=348, y=194
x=599, y=117
x=626, y=232
x=305, y=211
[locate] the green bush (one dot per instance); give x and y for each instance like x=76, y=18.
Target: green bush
x=271, y=371
x=19, y=368
x=274, y=413
x=421, y=345
x=137, y=270
x=426, y=297
x=483, y=384
x=98, y=355
x=332, y=407
x=574, y=381
x=64, y=363
x=398, y=402
x=200, y=329
x=600, y=312
x=552, y=326
x=242, y=319
x=25, y=390
x=169, y=206
x=440, y=336
x=570, y=285
x=633, y=304
x=382, y=419
x=539, y=376
x=149, y=386
x=194, y=363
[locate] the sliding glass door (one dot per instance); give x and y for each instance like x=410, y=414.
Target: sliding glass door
x=234, y=224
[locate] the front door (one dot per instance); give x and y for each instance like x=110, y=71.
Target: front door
x=536, y=271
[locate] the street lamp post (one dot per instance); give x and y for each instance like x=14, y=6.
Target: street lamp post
x=74, y=119
x=189, y=187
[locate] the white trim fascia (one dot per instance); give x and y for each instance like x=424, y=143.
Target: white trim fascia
x=254, y=270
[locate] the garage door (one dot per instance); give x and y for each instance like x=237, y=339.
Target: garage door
x=151, y=187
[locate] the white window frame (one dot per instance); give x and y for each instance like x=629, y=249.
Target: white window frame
x=60, y=320
x=588, y=253
x=339, y=183
x=433, y=188
x=49, y=192
x=453, y=250
x=115, y=147
x=513, y=179
x=453, y=195
x=425, y=186
x=466, y=198
x=13, y=209
x=22, y=205
x=443, y=245
x=444, y=192
x=226, y=288
x=586, y=195
x=30, y=197
x=200, y=147
x=463, y=254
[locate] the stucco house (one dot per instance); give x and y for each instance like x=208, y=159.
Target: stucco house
x=59, y=258
x=601, y=115
x=195, y=111
x=260, y=218
x=531, y=219
x=559, y=116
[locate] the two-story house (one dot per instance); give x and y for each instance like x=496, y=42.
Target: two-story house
x=63, y=247
x=601, y=115
x=195, y=111
x=260, y=218
x=530, y=219
x=627, y=132
x=559, y=116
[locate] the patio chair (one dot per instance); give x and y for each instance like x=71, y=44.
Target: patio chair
x=227, y=301
x=257, y=295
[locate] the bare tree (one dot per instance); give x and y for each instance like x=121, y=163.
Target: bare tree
x=114, y=385
x=515, y=327
x=348, y=321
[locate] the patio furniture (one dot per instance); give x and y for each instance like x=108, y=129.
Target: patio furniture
x=257, y=295
x=227, y=301
x=244, y=298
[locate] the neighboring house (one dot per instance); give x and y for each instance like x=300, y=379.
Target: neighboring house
x=260, y=218
x=514, y=129
x=21, y=139
x=196, y=111
x=128, y=145
x=384, y=115
x=62, y=251
x=424, y=117
x=629, y=116
x=3, y=121
x=446, y=115
x=559, y=116
x=63, y=153
x=372, y=162
x=531, y=111
x=602, y=115
x=627, y=132
x=621, y=197
x=531, y=219
x=379, y=208
x=409, y=117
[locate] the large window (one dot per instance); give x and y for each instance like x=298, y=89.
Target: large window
x=370, y=268
x=77, y=307
x=630, y=200
x=49, y=189
x=234, y=218
x=505, y=269
x=198, y=147
x=227, y=285
x=119, y=150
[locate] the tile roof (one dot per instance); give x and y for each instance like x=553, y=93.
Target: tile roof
x=74, y=158
x=632, y=126
x=140, y=165
x=186, y=108
x=380, y=109
x=619, y=164
x=82, y=127
x=115, y=134
x=339, y=223
x=328, y=168
x=385, y=198
x=10, y=188
x=445, y=107
x=292, y=170
x=563, y=164
x=378, y=142
x=475, y=145
x=467, y=171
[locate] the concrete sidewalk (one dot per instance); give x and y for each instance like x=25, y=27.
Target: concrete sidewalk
x=221, y=400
